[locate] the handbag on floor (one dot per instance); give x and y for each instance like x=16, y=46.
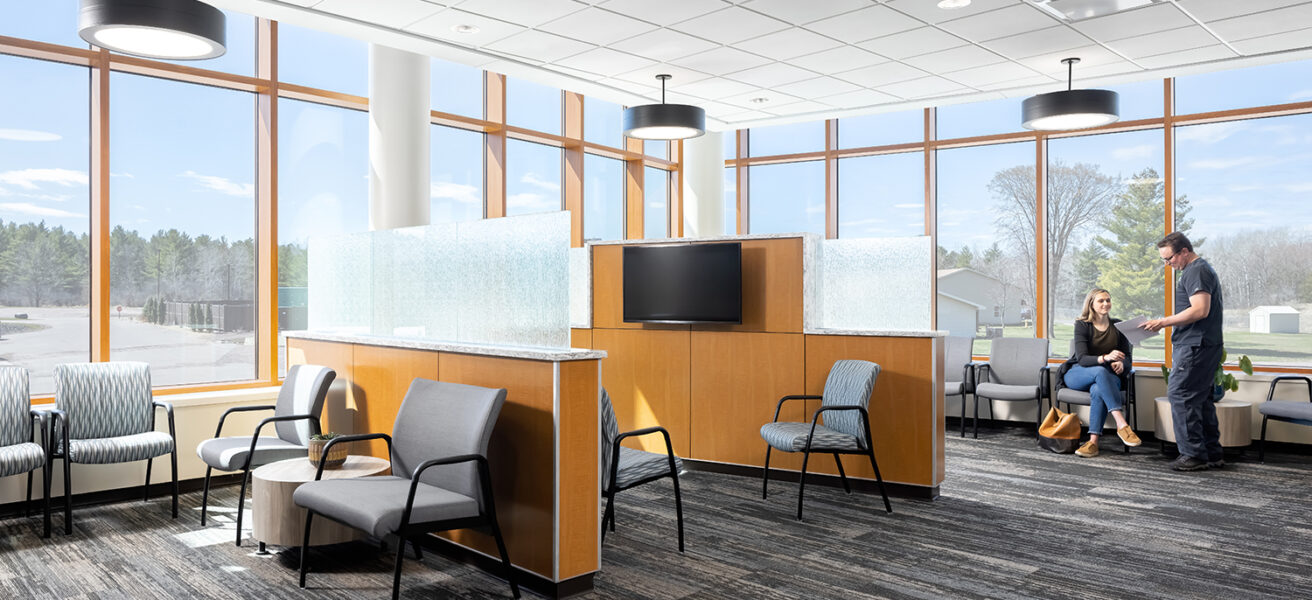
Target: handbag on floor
x=1060, y=432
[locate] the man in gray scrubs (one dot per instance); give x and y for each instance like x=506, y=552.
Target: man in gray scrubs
x=1195, y=351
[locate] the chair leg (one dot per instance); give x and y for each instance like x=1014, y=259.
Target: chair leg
x=505, y=556
x=305, y=543
x=241, y=500
x=888, y=507
x=419, y=552
x=145, y=493
x=396, y=573
x=838, y=461
x=801, y=483
x=678, y=507
x=27, y=505
x=975, y=421
x=765, y=474
x=45, y=484
x=609, y=516
x=991, y=417
x=68, y=500
x=174, y=459
x=1261, y=442
x=1038, y=417
x=205, y=495
x=963, y=415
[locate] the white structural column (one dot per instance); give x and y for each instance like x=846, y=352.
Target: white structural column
x=398, y=138
x=703, y=185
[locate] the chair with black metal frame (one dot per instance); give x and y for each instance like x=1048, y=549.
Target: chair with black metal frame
x=439, y=426
x=1017, y=371
x=1069, y=397
x=846, y=396
x=1287, y=411
x=105, y=414
x=19, y=450
x=957, y=352
x=626, y=468
x=300, y=399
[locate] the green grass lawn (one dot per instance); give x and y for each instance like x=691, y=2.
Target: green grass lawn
x=1262, y=348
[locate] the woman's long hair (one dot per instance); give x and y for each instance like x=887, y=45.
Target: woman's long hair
x=1086, y=313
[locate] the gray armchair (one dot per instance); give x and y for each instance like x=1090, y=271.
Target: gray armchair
x=1068, y=396
x=295, y=418
x=1017, y=371
x=1289, y=411
x=440, y=477
x=104, y=414
x=957, y=356
x=846, y=428
x=624, y=468
x=19, y=451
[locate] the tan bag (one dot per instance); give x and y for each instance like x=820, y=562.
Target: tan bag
x=1060, y=432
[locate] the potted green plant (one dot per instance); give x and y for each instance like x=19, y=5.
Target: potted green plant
x=336, y=456
x=1222, y=381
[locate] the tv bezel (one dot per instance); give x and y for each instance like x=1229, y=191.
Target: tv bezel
x=739, y=321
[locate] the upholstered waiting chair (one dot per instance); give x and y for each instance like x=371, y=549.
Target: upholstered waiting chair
x=440, y=429
x=957, y=355
x=19, y=452
x=846, y=428
x=1068, y=396
x=1289, y=411
x=295, y=418
x=1017, y=371
x=623, y=468
x=104, y=414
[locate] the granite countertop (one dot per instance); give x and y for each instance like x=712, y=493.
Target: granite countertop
x=525, y=352
x=719, y=238
x=880, y=333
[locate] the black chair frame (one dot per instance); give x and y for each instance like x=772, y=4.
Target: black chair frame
x=610, y=491
x=1127, y=389
x=486, y=519
x=869, y=451
x=1040, y=392
x=1270, y=394
x=60, y=423
x=968, y=388
x=41, y=420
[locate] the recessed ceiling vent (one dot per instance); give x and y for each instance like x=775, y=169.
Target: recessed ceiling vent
x=1079, y=10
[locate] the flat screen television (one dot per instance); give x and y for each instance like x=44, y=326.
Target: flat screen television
x=691, y=283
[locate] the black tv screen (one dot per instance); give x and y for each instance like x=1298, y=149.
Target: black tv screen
x=694, y=283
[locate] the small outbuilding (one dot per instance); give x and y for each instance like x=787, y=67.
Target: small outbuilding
x=1273, y=319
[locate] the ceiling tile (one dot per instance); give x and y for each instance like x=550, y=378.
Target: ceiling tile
x=664, y=44
x=991, y=74
x=1042, y=41
x=929, y=12
x=647, y=76
x=1264, y=24
x=388, y=13
x=860, y=98
x=665, y=12
x=1163, y=42
x=954, y=59
x=721, y=60
x=597, y=26
x=1119, y=67
x=923, y=87
x=1196, y=55
x=864, y=24
x=530, y=13
x=1018, y=18
x=715, y=88
x=842, y=58
x=440, y=26
x=799, y=108
x=881, y=74
x=782, y=45
x=1018, y=83
x=771, y=97
x=1050, y=64
x=746, y=115
x=1288, y=40
x=913, y=43
x=730, y=25
x=1212, y=10
x=538, y=45
x=797, y=13
x=772, y=75
x=1140, y=21
x=604, y=61
x=818, y=87
x=629, y=86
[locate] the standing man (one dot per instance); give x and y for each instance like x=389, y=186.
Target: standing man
x=1196, y=351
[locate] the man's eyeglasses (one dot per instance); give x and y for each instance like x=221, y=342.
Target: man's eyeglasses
x=1167, y=259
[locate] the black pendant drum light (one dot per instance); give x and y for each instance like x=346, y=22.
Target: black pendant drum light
x=664, y=121
x=1070, y=109
x=167, y=29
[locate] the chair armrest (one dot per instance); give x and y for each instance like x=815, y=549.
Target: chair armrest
x=1045, y=380
x=255, y=438
x=669, y=448
x=968, y=376
x=484, y=480
x=1271, y=392
x=168, y=410
x=815, y=419
x=359, y=437
x=41, y=418
x=985, y=369
x=59, y=425
x=236, y=409
x=780, y=405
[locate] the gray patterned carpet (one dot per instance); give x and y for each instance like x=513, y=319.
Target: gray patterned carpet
x=1012, y=522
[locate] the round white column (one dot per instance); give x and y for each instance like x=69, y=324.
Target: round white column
x=398, y=138
x=703, y=185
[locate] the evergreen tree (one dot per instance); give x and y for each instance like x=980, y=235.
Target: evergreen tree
x=1132, y=269
x=148, y=311
x=209, y=316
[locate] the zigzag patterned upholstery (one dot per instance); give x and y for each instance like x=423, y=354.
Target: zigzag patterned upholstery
x=17, y=453
x=635, y=467
x=109, y=408
x=791, y=437
x=123, y=448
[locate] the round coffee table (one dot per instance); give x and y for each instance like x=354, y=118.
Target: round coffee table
x=277, y=519
x=1234, y=419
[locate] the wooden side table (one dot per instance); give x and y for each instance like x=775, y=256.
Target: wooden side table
x=1233, y=417
x=277, y=519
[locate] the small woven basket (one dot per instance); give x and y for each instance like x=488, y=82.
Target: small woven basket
x=336, y=457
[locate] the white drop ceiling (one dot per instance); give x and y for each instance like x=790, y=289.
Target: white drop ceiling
x=760, y=62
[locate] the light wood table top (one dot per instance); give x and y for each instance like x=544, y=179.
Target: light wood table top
x=277, y=519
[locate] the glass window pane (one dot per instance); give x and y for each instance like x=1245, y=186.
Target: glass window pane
x=985, y=246
x=532, y=106
x=730, y=140
x=240, y=55
x=731, y=201
x=183, y=201
x=787, y=198
x=603, y=198
x=532, y=178
x=979, y=118
x=657, y=148
x=602, y=122
x=456, y=165
x=1241, y=88
x=881, y=196
x=1106, y=211
x=1242, y=200
x=44, y=219
x=323, y=190
x=656, y=200
x=786, y=139
x=1141, y=100
x=456, y=88
x=881, y=129
x=53, y=22
x=322, y=60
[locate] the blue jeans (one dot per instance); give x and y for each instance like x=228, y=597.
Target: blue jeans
x=1104, y=389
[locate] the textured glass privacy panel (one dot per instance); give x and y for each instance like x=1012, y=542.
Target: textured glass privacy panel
x=580, y=288
x=514, y=280
x=340, y=294
x=875, y=283
x=415, y=293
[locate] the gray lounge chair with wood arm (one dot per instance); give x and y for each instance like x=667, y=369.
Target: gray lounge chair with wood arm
x=19, y=450
x=295, y=418
x=440, y=476
x=1017, y=371
x=624, y=468
x=1297, y=412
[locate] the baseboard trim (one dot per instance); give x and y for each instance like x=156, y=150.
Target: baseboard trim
x=901, y=490
x=573, y=586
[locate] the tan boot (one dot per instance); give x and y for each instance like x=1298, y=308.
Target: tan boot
x=1128, y=437
x=1088, y=450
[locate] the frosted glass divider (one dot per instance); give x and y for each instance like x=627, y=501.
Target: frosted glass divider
x=514, y=280
x=340, y=282
x=875, y=283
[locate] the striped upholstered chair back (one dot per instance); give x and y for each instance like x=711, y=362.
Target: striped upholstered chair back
x=850, y=383
x=15, y=419
x=104, y=399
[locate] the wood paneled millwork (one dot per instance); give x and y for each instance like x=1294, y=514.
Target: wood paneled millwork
x=737, y=380
x=494, y=158
x=100, y=279
x=580, y=338
x=344, y=397
x=579, y=480
x=772, y=286
x=647, y=372
x=382, y=376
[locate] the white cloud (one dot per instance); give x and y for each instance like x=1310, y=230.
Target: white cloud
x=916, y=205
x=1224, y=163
x=532, y=202
x=461, y=193
x=29, y=178
x=1300, y=95
x=1210, y=134
x=123, y=175
x=532, y=178
x=29, y=135
x=1134, y=152
x=222, y=185
x=27, y=208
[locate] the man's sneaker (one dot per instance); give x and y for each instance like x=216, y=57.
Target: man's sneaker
x=1088, y=450
x=1188, y=463
x=1216, y=464
x=1128, y=437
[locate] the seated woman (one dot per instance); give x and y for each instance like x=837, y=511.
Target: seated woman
x=1098, y=366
